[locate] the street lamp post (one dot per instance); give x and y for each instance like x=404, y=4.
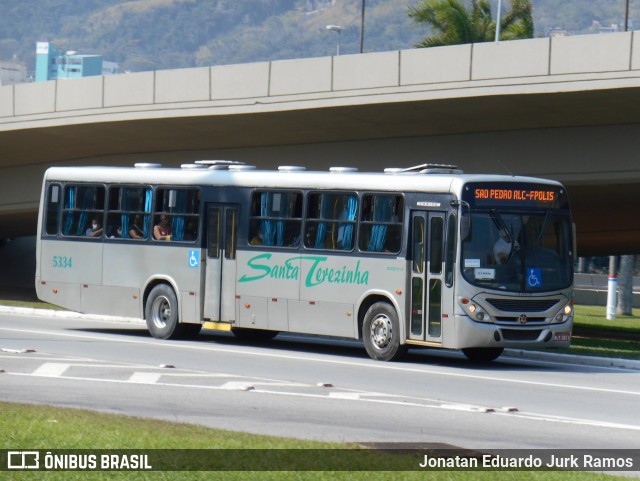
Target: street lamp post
x=339, y=29
x=626, y=15
x=498, y=20
x=362, y=27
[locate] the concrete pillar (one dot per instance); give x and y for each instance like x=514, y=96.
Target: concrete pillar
x=582, y=265
x=625, y=285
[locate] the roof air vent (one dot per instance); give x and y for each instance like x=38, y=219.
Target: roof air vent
x=192, y=166
x=147, y=165
x=343, y=170
x=425, y=169
x=242, y=167
x=291, y=168
x=224, y=163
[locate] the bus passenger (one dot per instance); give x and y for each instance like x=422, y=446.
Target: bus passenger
x=162, y=231
x=257, y=239
x=135, y=232
x=94, y=230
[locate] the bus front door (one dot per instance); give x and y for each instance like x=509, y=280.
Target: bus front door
x=427, y=237
x=220, y=276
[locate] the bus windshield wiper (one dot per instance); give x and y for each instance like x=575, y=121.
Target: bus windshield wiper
x=544, y=226
x=502, y=226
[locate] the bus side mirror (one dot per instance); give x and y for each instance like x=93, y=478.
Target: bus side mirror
x=465, y=219
x=465, y=226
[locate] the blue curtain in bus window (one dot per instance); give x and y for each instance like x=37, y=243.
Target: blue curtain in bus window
x=177, y=227
x=382, y=209
x=148, y=202
x=87, y=202
x=325, y=211
x=345, y=231
x=280, y=233
x=70, y=203
x=124, y=218
x=285, y=211
x=279, y=224
x=267, y=226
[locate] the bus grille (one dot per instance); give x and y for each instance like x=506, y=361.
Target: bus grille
x=516, y=320
x=523, y=305
x=520, y=335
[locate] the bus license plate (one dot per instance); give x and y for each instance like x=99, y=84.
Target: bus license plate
x=562, y=336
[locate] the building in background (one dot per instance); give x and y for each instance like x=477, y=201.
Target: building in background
x=52, y=64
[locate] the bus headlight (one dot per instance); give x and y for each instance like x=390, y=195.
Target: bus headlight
x=474, y=311
x=565, y=314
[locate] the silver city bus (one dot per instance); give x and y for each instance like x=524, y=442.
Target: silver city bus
x=423, y=256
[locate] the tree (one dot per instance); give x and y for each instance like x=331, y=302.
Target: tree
x=517, y=23
x=453, y=23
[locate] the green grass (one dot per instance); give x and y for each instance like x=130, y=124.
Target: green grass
x=595, y=317
x=594, y=335
x=40, y=427
x=31, y=304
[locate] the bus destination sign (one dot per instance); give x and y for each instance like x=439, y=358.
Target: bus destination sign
x=526, y=195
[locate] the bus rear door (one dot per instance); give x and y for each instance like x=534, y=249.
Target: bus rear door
x=220, y=276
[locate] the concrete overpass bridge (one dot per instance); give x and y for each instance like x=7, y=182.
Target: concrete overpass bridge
x=564, y=108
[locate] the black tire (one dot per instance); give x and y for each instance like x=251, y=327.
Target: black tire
x=381, y=333
x=161, y=313
x=483, y=354
x=254, y=335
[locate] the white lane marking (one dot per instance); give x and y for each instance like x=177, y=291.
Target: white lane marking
x=360, y=398
x=568, y=420
x=345, y=395
x=371, y=364
x=145, y=377
x=51, y=369
x=237, y=386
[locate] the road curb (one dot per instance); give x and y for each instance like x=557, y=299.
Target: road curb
x=31, y=311
x=573, y=359
x=512, y=353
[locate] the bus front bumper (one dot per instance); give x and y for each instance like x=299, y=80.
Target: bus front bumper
x=539, y=336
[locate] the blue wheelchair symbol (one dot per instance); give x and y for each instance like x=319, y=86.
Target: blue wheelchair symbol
x=194, y=258
x=534, y=277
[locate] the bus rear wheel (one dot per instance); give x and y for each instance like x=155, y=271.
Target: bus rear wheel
x=483, y=354
x=161, y=313
x=381, y=333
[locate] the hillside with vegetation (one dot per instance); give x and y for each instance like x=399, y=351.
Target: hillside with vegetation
x=161, y=34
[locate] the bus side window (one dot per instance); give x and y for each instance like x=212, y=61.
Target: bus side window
x=381, y=223
x=82, y=204
x=176, y=214
x=53, y=210
x=128, y=216
x=275, y=218
x=331, y=220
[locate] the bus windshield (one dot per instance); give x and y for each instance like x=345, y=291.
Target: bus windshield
x=518, y=251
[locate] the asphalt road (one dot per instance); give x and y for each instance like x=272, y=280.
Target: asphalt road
x=317, y=389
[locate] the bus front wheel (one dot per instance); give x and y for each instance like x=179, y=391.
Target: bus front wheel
x=161, y=313
x=381, y=333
